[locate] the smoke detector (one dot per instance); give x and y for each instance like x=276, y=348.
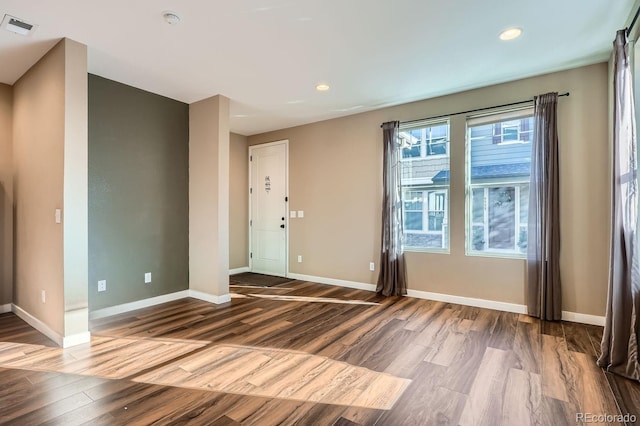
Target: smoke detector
x=17, y=25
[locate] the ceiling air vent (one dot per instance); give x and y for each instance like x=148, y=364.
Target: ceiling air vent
x=16, y=25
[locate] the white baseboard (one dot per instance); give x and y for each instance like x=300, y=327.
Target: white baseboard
x=38, y=325
x=157, y=300
x=5, y=308
x=333, y=281
x=210, y=297
x=583, y=318
x=76, y=339
x=138, y=304
x=469, y=301
x=449, y=298
x=238, y=270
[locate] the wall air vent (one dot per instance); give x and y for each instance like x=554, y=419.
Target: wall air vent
x=18, y=26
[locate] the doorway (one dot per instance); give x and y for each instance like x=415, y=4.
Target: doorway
x=268, y=218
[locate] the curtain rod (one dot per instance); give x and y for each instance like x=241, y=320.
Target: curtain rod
x=473, y=110
x=633, y=22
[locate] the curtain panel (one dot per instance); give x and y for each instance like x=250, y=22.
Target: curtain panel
x=620, y=338
x=392, y=277
x=544, y=298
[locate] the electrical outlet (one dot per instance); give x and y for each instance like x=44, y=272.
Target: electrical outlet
x=102, y=285
x=299, y=259
x=147, y=277
x=43, y=295
x=372, y=266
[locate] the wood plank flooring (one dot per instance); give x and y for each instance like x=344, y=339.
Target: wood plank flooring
x=322, y=355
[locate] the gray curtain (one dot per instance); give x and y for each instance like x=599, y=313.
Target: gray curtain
x=392, y=277
x=620, y=338
x=543, y=248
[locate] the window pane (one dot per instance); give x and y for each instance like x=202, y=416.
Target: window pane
x=478, y=206
x=413, y=221
x=477, y=237
x=501, y=214
x=425, y=184
x=411, y=142
x=499, y=162
x=524, y=204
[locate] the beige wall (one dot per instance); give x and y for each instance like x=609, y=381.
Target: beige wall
x=238, y=202
x=50, y=172
x=335, y=177
x=6, y=195
x=209, y=196
x=39, y=163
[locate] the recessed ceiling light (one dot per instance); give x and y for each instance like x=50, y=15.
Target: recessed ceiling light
x=172, y=18
x=322, y=87
x=510, y=33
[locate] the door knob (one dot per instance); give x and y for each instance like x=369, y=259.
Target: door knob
x=282, y=226
x=283, y=218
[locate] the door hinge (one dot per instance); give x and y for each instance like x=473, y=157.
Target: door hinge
x=251, y=255
x=250, y=190
x=251, y=158
x=286, y=199
x=251, y=223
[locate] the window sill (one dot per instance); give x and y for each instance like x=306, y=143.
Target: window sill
x=496, y=255
x=426, y=250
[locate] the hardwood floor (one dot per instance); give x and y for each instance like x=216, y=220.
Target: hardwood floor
x=310, y=354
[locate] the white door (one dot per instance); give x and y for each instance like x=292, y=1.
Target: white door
x=268, y=205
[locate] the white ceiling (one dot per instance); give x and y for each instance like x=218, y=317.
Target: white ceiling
x=268, y=55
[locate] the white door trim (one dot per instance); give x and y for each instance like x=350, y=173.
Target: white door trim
x=286, y=217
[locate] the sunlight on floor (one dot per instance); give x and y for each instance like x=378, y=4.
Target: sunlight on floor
x=243, y=370
x=105, y=357
x=277, y=373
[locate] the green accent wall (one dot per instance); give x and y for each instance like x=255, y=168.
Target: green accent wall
x=138, y=193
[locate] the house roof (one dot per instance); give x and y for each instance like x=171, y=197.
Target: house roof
x=492, y=171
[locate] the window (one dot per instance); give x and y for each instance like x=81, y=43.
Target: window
x=425, y=141
x=512, y=131
x=499, y=162
x=425, y=186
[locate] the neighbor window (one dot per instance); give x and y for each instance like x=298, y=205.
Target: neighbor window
x=425, y=185
x=499, y=162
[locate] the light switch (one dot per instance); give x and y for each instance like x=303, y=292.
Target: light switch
x=292, y=214
x=147, y=277
x=300, y=213
x=58, y=216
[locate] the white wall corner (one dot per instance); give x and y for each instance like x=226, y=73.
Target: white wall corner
x=211, y=298
x=38, y=325
x=138, y=304
x=238, y=270
x=5, y=308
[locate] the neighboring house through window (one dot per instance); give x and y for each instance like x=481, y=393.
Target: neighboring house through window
x=499, y=162
x=425, y=154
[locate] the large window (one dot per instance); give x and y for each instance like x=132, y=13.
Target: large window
x=499, y=162
x=425, y=186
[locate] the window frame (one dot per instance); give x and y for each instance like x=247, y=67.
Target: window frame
x=484, y=119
